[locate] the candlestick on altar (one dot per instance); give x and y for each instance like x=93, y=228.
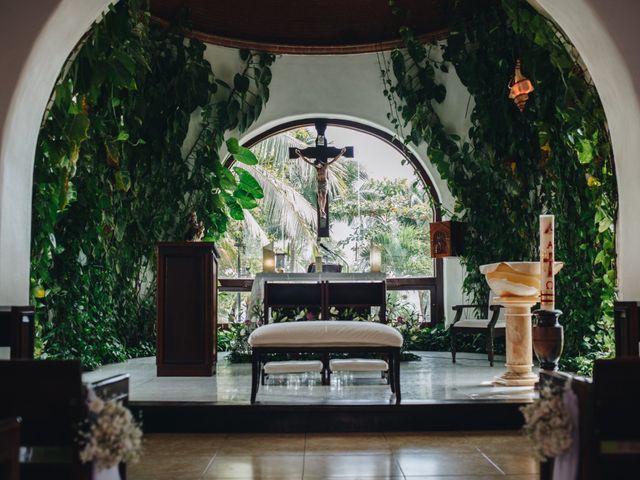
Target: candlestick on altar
x=547, y=254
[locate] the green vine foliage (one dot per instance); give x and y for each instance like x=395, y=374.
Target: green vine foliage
x=555, y=157
x=111, y=178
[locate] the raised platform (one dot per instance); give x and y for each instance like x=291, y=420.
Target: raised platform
x=436, y=395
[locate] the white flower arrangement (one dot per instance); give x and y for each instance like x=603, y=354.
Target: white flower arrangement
x=111, y=436
x=547, y=424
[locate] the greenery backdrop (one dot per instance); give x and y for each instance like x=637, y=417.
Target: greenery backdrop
x=120, y=112
x=555, y=157
x=111, y=178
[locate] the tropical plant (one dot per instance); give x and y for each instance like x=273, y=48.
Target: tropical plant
x=287, y=210
x=554, y=157
x=393, y=214
x=110, y=140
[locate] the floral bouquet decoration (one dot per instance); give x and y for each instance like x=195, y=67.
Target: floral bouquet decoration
x=110, y=435
x=548, y=424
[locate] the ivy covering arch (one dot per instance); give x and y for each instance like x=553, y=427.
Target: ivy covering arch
x=111, y=177
x=555, y=157
x=115, y=129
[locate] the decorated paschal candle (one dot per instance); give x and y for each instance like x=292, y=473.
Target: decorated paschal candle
x=547, y=285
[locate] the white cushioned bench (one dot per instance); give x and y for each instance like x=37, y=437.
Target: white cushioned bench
x=325, y=337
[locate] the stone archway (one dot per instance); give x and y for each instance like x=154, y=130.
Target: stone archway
x=37, y=36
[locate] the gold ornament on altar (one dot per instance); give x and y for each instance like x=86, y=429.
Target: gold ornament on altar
x=519, y=87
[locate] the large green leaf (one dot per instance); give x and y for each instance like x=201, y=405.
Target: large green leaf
x=235, y=210
x=78, y=128
x=585, y=151
x=241, y=153
x=123, y=180
x=248, y=183
x=245, y=199
x=241, y=83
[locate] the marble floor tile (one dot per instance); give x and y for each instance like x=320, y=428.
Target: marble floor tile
x=179, y=444
x=446, y=464
x=474, y=477
x=170, y=466
x=432, y=378
x=354, y=477
x=312, y=456
x=501, y=443
x=346, y=444
x=427, y=442
x=327, y=466
x=514, y=463
x=263, y=444
x=256, y=466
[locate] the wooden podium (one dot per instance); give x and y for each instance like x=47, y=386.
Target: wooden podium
x=187, y=309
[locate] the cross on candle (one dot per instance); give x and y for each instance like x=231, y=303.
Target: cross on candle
x=547, y=285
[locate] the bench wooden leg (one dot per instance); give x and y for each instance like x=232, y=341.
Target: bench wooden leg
x=391, y=372
x=326, y=371
x=452, y=338
x=396, y=375
x=255, y=375
x=385, y=375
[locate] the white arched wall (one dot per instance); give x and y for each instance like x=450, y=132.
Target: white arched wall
x=606, y=35
x=37, y=36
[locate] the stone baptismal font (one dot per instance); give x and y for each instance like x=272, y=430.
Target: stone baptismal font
x=517, y=285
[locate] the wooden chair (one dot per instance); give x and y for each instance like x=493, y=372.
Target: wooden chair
x=357, y=297
x=10, y=448
x=294, y=296
x=492, y=325
x=49, y=396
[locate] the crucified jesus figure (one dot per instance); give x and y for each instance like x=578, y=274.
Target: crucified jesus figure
x=322, y=169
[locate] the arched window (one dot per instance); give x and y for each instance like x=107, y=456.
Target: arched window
x=382, y=198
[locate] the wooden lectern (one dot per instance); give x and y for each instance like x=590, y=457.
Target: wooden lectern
x=187, y=309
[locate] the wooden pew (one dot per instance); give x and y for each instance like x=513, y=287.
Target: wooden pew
x=609, y=419
x=583, y=388
x=616, y=417
x=9, y=449
x=50, y=398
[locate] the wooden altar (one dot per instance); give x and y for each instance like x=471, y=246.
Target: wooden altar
x=256, y=286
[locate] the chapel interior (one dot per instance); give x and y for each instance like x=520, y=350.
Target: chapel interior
x=376, y=239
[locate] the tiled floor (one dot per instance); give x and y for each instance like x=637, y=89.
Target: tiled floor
x=433, y=378
x=411, y=456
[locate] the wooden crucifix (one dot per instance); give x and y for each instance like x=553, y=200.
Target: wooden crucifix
x=320, y=157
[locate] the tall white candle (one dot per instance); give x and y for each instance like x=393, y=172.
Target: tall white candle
x=547, y=247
